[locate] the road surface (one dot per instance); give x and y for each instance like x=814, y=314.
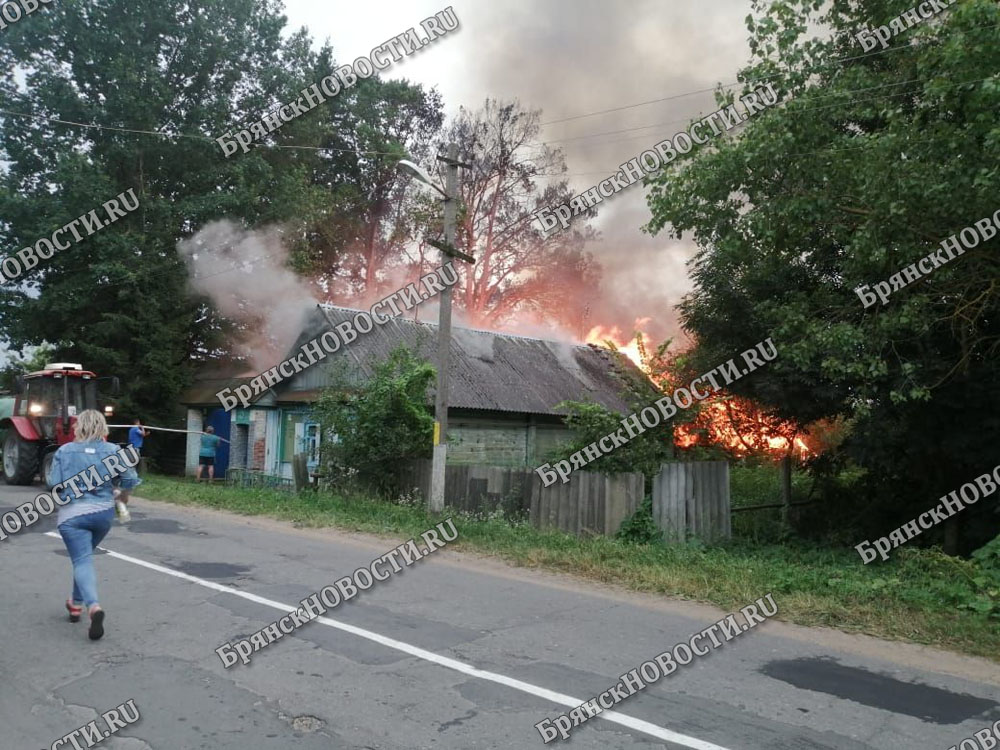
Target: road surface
x=531, y=634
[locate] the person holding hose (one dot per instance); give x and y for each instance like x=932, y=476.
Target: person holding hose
x=85, y=520
x=206, y=453
x=136, y=435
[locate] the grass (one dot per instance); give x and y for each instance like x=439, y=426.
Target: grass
x=918, y=595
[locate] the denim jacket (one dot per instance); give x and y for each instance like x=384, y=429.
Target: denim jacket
x=79, y=458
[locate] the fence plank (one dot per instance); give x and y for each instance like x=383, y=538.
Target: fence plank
x=692, y=498
x=534, y=515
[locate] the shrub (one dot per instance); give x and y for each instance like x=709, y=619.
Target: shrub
x=374, y=426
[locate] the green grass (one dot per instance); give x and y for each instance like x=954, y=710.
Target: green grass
x=918, y=595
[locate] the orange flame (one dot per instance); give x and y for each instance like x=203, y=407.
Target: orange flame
x=601, y=335
x=725, y=421
x=715, y=426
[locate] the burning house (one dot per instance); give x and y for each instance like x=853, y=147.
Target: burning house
x=503, y=394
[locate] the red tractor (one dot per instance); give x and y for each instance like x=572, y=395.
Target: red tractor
x=40, y=417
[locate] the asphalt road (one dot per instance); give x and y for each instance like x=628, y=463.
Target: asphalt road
x=531, y=634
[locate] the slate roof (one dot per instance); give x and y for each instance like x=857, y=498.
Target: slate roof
x=489, y=370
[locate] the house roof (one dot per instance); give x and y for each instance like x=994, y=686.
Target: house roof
x=489, y=370
x=202, y=392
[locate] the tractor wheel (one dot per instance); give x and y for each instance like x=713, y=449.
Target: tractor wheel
x=20, y=459
x=46, y=470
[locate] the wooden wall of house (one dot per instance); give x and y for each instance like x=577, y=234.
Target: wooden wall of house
x=501, y=439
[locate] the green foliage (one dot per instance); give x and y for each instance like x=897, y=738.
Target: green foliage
x=35, y=360
x=761, y=485
x=590, y=422
x=640, y=528
x=988, y=557
x=986, y=576
x=868, y=164
x=375, y=425
x=118, y=301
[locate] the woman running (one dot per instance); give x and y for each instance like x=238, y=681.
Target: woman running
x=85, y=520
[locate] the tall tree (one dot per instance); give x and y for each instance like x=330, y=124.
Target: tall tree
x=872, y=160
x=517, y=269
x=117, y=300
x=360, y=243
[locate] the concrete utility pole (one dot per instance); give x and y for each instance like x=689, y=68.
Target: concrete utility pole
x=435, y=502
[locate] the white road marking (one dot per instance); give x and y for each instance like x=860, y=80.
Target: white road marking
x=550, y=695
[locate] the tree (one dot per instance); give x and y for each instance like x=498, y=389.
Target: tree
x=589, y=421
x=117, y=301
x=872, y=160
x=517, y=270
x=36, y=359
x=360, y=246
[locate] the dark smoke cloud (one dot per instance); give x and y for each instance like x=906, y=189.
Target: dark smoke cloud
x=569, y=57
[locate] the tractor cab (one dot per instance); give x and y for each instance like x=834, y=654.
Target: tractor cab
x=41, y=415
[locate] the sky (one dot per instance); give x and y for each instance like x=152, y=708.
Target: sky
x=567, y=58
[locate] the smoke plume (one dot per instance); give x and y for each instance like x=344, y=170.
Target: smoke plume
x=572, y=57
x=244, y=273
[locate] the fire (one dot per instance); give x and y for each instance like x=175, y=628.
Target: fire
x=737, y=426
x=600, y=335
x=730, y=422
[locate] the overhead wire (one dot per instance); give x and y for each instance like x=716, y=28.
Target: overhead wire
x=804, y=110
x=205, y=138
x=808, y=99
x=614, y=170
x=832, y=62
x=238, y=265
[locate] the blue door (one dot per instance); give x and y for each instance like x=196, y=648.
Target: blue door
x=221, y=421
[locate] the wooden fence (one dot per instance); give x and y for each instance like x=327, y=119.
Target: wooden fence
x=588, y=504
x=692, y=499
x=472, y=488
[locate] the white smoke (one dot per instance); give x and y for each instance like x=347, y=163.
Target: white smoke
x=244, y=272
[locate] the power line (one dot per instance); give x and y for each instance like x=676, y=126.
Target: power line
x=242, y=264
x=810, y=98
x=184, y=135
x=869, y=144
x=834, y=61
x=803, y=153
x=804, y=110
x=831, y=63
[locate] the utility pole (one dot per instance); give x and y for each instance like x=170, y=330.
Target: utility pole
x=435, y=503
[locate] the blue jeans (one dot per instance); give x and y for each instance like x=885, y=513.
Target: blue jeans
x=81, y=535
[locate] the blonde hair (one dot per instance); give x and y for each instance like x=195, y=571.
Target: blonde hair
x=90, y=425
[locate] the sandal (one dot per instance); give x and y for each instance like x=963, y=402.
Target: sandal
x=96, y=631
x=74, y=611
